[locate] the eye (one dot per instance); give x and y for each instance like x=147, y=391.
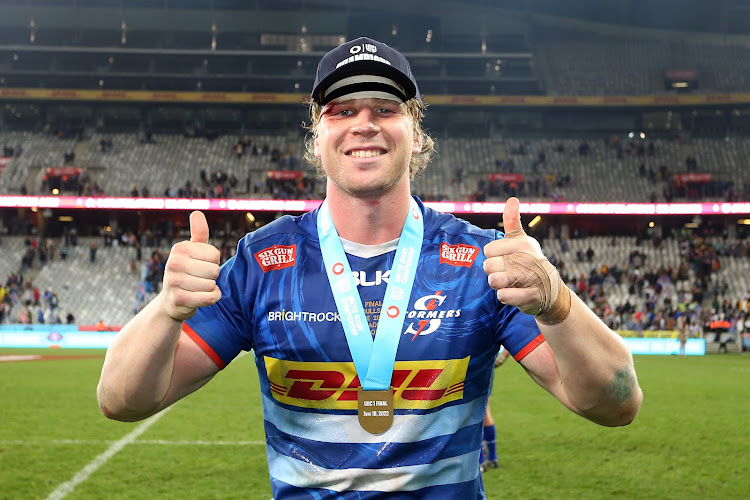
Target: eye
x=337, y=110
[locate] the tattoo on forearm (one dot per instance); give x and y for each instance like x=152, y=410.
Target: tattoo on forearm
x=621, y=387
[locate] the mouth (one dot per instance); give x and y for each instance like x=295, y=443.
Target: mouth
x=366, y=153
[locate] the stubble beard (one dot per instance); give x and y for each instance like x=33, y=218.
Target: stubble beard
x=370, y=190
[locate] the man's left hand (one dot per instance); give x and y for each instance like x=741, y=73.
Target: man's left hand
x=522, y=275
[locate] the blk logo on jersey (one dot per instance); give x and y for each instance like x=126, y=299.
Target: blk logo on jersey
x=277, y=257
x=458, y=255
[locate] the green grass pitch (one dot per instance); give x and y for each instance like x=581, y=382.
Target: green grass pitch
x=690, y=440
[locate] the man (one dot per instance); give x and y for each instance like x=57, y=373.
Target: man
x=349, y=414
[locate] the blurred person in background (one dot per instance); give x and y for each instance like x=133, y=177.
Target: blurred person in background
x=372, y=301
x=489, y=437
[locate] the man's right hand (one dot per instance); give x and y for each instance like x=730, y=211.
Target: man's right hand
x=191, y=271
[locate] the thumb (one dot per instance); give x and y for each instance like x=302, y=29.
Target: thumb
x=198, y=227
x=512, y=219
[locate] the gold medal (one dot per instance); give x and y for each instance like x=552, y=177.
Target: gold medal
x=375, y=410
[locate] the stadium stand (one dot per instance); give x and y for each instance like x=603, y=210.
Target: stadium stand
x=586, y=168
x=551, y=154
x=37, y=151
x=604, y=66
x=632, y=284
x=611, y=60
x=106, y=289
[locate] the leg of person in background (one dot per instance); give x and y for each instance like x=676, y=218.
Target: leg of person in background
x=482, y=454
x=489, y=441
x=488, y=432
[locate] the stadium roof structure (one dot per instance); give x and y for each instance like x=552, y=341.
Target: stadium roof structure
x=708, y=16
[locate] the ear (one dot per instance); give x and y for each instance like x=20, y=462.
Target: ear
x=418, y=143
x=316, y=148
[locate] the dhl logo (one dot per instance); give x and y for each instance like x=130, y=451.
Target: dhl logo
x=416, y=384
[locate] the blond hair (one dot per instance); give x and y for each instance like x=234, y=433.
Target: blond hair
x=414, y=109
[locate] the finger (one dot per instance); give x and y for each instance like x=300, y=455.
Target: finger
x=184, y=299
x=526, y=299
x=189, y=250
x=506, y=246
x=194, y=267
x=508, y=279
x=198, y=227
x=493, y=264
x=498, y=280
x=512, y=219
x=192, y=283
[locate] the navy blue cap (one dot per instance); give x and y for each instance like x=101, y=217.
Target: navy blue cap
x=364, y=68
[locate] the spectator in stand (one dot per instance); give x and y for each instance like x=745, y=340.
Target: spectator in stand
x=590, y=254
x=27, y=260
x=745, y=318
x=682, y=332
x=24, y=315
x=4, y=312
x=239, y=150
x=70, y=319
x=155, y=271
x=52, y=317
x=27, y=296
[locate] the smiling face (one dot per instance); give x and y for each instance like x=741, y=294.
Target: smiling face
x=366, y=146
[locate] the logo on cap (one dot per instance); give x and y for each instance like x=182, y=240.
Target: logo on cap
x=369, y=47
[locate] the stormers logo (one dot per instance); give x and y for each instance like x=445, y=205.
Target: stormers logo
x=429, y=318
x=416, y=384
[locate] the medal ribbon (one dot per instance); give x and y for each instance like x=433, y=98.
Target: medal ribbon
x=372, y=358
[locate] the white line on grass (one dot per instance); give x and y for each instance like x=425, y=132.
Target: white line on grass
x=19, y=357
x=161, y=442
x=200, y=442
x=82, y=475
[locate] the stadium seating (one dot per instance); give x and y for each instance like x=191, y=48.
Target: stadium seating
x=39, y=151
x=582, y=62
x=107, y=289
x=12, y=249
x=600, y=175
x=606, y=66
x=102, y=290
x=170, y=160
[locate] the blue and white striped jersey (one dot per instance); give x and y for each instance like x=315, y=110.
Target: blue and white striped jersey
x=276, y=301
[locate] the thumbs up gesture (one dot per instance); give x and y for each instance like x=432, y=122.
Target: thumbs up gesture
x=522, y=275
x=191, y=271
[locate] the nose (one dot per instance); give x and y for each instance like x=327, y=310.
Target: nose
x=365, y=122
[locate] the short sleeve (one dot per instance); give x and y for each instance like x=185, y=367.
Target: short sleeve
x=518, y=332
x=222, y=330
